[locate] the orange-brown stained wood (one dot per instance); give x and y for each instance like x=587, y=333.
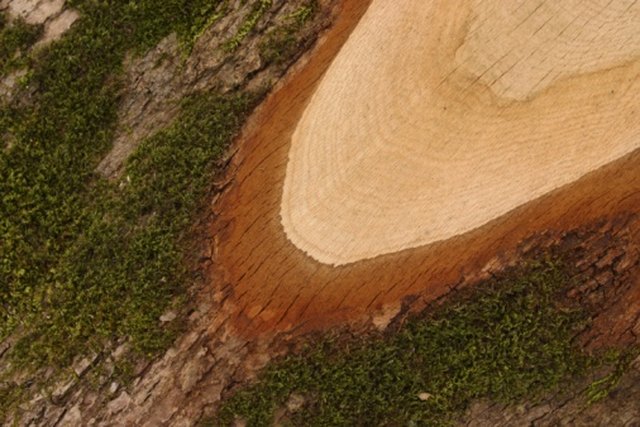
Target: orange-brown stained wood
x=275, y=286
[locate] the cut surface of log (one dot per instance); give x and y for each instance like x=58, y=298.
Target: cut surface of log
x=438, y=117
x=274, y=286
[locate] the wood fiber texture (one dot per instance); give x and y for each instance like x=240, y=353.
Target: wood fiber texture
x=569, y=143
x=437, y=117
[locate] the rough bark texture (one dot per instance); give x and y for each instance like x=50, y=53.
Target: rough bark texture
x=211, y=360
x=178, y=386
x=568, y=408
x=157, y=82
x=215, y=354
x=607, y=272
x=55, y=18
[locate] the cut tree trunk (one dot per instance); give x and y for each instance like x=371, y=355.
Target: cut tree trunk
x=263, y=293
x=559, y=158
x=524, y=121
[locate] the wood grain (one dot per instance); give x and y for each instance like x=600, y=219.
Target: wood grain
x=437, y=117
x=274, y=286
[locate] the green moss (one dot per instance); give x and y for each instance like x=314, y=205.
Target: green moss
x=507, y=340
x=84, y=261
x=258, y=10
x=15, y=39
x=282, y=42
x=206, y=16
x=10, y=397
x=620, y=361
